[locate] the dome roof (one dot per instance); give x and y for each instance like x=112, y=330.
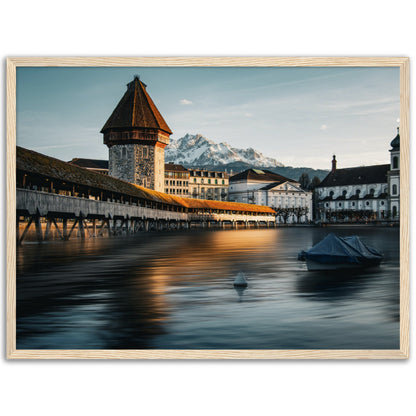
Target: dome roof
x=395, y=143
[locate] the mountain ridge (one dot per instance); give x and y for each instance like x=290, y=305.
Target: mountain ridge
x=198, y=152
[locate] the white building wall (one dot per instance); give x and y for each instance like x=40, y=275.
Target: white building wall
x=250, y=192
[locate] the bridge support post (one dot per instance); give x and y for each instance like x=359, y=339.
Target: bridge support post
x=38, y=226
x=81, y=228
x=65, y=228
x=94, y=227
x=48, y=228
x=17, y=229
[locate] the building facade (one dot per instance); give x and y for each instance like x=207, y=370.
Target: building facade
x=393, y=178
x=361, y=194
x=136, y=135
x=176, y=180
x=262, y=187
x=206, y=184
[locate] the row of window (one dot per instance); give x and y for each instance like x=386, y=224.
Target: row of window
x=209, y=181
x=367, y=203
x=208, y=174
x=176, y=191
x=358, y=192
x=176, y=183
x=171, y=174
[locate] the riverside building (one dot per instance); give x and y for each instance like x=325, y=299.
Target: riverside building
x=176, y=180
x=207, y=184
x=255, y=186
x=362, y=194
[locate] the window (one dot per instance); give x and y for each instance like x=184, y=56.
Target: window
x=394, y=211
x=382, y=202
x=194, y=180
x=394, y=190
x=339, y=204
x=216, y=181
x=223, y=182
x=209, y=180
x=395, y=162
x=145, y=152
x=331, y=194
x=372, y=191
x=367, y=203
x=344, y=193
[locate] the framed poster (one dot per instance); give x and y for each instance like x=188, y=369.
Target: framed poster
x=247, y=208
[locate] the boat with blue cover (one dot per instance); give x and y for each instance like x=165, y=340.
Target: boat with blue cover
x=338, y=253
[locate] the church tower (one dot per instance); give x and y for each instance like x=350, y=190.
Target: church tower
x=136, y=135
x=394, y=178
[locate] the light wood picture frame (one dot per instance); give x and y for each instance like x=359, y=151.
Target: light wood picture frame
x=399, y=62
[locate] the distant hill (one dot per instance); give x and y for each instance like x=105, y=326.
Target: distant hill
x=196, y=151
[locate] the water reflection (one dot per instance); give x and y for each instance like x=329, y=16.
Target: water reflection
x=176, y=291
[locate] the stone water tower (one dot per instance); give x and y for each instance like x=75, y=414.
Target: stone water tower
x=136, y=135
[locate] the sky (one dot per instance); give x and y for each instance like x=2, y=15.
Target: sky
x=299, y=116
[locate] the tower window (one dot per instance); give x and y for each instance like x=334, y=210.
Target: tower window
x=394, y=189
x=395, y=162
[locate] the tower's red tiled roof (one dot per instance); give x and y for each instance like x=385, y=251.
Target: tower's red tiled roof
x=136, y=110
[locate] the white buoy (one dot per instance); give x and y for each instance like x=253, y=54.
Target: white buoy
x=240, y=280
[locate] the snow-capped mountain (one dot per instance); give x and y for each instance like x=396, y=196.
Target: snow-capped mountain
x=198, y=151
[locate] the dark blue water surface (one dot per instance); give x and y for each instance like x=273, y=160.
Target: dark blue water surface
x=175, y=290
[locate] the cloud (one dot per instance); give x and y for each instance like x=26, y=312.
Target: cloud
x=248, y=114
x=324, y=127
x=185, y=102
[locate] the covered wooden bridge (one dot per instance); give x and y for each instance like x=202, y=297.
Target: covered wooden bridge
x=51, y=193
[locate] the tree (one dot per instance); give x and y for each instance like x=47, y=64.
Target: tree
x=314, y=183
x=284, y=213
x=299, y=212
x=304, y=181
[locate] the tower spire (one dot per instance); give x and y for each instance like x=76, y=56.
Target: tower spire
x=334, y=164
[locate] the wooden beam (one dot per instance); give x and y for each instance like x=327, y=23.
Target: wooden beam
x=57, y=228
x=72, y=229
x=86, y=227
x=26, y=230
x=81, y=228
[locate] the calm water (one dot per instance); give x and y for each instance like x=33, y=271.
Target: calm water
x=175, y=290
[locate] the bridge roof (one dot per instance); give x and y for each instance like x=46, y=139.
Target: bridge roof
x=32, y=162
